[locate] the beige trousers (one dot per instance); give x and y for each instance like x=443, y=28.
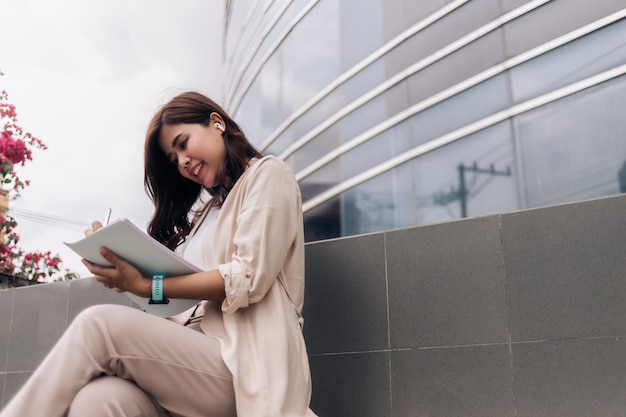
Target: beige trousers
x=116, y=361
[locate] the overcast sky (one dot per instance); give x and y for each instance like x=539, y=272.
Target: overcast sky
x=86, y=76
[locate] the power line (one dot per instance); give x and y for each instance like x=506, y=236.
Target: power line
x=462, y=193
x=503, y=150
x=47, y=219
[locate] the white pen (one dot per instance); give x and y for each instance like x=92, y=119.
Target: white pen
x=107, y=217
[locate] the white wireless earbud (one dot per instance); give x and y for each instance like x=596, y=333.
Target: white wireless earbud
x=219, y=126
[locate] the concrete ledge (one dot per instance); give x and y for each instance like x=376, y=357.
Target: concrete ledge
x=518, y=314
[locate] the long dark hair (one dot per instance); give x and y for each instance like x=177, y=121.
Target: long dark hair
x=174, y=195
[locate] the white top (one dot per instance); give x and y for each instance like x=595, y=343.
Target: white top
x=193, y=249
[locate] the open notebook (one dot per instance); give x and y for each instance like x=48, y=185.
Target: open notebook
x=144, y=253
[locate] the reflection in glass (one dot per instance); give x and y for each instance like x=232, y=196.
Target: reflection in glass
x=574, y=148
x=431, y=189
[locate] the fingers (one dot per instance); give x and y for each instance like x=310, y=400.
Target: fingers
x=110, y=256
x=104, y=281
x=121, y=276
x=95, y=225
x=99, y=271
x=108, y=282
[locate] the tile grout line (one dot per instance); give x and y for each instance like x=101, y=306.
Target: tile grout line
x=388, y=321
x=505, y=343
x=6, y=358
x=507, y=315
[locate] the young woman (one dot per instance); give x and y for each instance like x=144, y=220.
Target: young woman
x=238, y=353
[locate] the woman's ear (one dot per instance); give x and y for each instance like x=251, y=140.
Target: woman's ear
x=217, y=121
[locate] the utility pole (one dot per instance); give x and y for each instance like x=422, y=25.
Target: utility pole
x=462, y=192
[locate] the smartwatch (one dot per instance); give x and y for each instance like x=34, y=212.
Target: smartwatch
x=157, y=291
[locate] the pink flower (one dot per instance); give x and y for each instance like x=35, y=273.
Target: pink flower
x=16, y=147
x=14, y=150
x=8, y=110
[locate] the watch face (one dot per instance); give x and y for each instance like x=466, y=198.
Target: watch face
x=157, y=290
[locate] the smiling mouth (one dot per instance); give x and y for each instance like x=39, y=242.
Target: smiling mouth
x=197, y=169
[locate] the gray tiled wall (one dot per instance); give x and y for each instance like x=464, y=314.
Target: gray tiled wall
x=519, y=314
x=33, y=318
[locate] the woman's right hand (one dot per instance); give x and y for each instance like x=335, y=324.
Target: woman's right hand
x=95, y=225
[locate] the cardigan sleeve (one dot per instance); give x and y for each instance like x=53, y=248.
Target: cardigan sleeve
x=267, y=225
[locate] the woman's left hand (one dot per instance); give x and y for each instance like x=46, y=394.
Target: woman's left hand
x=122, y=276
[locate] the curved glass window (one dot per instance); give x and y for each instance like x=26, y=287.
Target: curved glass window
x=471, y=177
x=483, y=100
x=321, y=180
x=573, y=149
x=303, y=64
x=589, y=55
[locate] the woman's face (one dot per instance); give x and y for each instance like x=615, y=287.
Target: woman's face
x=198, y=151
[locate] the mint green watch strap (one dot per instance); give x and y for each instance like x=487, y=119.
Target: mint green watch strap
x=157, y=291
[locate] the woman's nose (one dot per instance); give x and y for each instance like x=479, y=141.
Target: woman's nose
x=183, y=161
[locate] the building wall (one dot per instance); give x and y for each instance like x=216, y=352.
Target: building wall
x=516, y=314
x=395, y=113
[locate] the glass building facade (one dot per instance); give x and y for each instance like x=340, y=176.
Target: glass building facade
x=396, y=113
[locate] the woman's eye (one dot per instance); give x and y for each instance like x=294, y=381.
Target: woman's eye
x=174, y=161
x=183, y=144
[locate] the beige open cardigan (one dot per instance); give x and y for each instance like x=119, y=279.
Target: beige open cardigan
x=258, y=243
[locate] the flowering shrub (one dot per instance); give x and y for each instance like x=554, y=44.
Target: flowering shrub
x=16, y=148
